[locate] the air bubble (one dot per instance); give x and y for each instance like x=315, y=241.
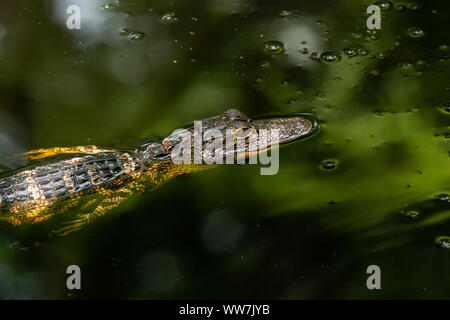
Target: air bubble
x=446, y=108
x=443, y=197
x=304, y=51
x=384, y=5
x=328, y=164
x=420, y=62
x=415, y=32
x=137, y=36
x=443, y=242
x=412, y=214
x=169, y=18
x=124, y=31
x=330, y=57
x=350, y=52
x=273, y=47
x=264, y=65
x=414, y=6
x=363, y=52
x=321, y=95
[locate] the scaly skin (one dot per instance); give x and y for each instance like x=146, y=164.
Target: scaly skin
x=96, y=180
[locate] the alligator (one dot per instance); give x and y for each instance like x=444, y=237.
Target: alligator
x=94, y=180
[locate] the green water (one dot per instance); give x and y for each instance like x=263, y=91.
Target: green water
x=371, y=188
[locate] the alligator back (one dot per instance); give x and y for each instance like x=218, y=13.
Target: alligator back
x=27, y=193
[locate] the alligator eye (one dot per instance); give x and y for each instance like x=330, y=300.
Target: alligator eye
x=167, y=144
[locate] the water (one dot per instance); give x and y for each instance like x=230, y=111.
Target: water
x=370, y=188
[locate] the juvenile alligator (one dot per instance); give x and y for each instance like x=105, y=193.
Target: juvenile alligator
x=95, y=180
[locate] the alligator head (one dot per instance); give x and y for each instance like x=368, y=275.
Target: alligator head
x=230, y=137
